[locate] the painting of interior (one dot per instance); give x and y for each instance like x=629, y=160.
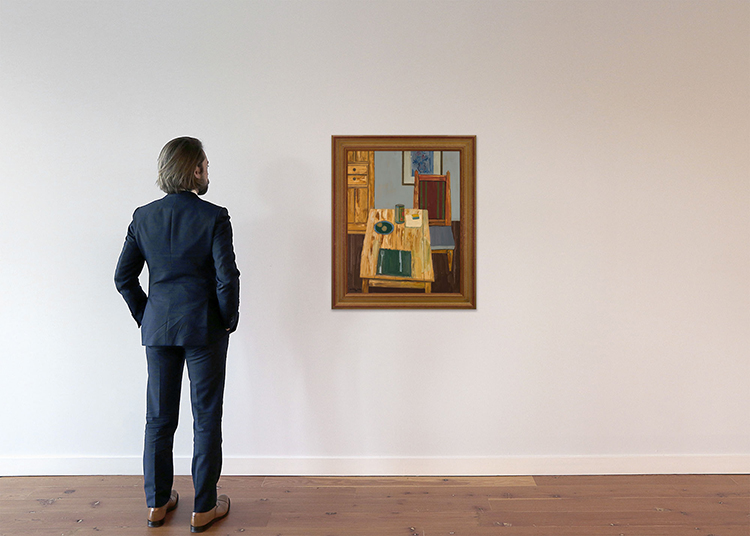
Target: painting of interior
x=403, y=222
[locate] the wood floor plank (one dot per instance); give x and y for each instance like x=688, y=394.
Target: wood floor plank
x=605, y=519
x=55, y=487
x=246, y=482
x=444, y=497
x=623, y=491
x=656, y=504
x=409, y=481
x=635, y=480
x=576, y=530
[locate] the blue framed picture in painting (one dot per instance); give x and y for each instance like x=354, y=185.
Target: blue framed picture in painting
x=426, y=162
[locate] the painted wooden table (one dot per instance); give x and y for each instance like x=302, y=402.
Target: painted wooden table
x=415, y=240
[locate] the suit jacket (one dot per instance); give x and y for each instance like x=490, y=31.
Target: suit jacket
x=194, y=284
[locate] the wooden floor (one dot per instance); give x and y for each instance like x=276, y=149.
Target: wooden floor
x=717, y=505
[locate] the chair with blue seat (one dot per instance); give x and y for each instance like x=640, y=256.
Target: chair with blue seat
x=433, y=193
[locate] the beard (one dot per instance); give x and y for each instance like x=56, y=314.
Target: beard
x=203, y=188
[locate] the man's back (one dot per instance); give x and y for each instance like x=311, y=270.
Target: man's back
x=193, y=279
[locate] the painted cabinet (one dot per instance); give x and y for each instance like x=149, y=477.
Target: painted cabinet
x=360, y=175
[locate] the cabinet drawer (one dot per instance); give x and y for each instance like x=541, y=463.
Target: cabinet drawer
x=356, y=169
x=357, y=180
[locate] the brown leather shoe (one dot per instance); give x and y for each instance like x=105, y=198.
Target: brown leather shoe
x=156, y=516
x=203, y=520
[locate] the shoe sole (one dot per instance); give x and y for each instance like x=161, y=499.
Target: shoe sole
x=207, y=526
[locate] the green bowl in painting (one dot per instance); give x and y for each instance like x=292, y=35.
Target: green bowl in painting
x=384, y=227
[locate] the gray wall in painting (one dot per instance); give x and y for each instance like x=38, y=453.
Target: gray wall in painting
x=389, y=187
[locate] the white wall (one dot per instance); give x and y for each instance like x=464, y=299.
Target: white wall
x=613, y=225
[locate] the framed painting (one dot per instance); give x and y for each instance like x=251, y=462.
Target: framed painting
x=404, y=225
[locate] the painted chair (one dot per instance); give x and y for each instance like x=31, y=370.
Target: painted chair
x=433, y=193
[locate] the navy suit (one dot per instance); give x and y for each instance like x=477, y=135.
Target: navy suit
x=191, y=307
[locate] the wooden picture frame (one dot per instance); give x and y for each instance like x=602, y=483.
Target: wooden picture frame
x=366, y=226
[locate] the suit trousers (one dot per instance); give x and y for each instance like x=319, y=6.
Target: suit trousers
x=207, y=372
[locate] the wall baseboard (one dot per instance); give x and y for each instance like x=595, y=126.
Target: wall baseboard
x=393, y=466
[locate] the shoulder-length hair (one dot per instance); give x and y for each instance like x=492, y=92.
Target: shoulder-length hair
x=177, y=162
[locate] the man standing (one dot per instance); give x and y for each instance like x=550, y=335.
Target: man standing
x=191, y=308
